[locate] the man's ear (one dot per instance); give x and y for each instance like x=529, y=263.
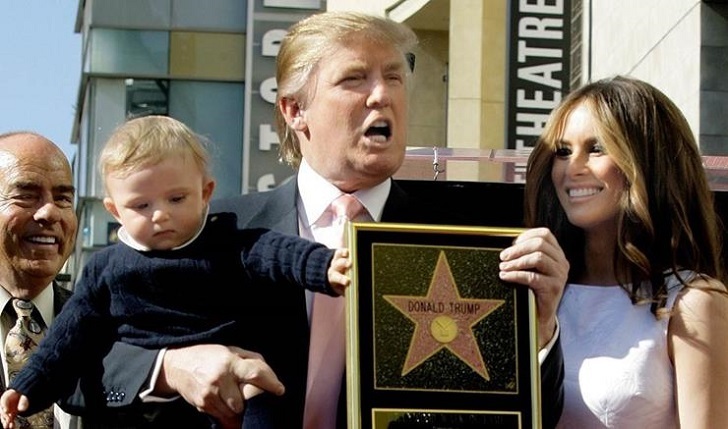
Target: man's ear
x=294, y=113
x=111, y=208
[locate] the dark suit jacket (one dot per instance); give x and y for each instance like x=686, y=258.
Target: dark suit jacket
x=284, y=342
x=60, y=296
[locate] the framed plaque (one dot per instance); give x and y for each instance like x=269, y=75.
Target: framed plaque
x=434, y=338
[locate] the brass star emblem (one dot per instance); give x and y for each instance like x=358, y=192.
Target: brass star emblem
x=443, y=319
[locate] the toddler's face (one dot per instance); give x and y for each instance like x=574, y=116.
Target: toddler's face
x=160, y=206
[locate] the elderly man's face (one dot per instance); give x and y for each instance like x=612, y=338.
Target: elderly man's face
x=38, y=223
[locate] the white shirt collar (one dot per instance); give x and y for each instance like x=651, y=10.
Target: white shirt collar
x=43, y=302
x=127, y=239
x=316, y=193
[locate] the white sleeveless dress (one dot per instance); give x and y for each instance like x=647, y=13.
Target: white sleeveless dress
x=617, y=370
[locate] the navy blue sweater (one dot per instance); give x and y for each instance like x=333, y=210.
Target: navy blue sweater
x=155, y=299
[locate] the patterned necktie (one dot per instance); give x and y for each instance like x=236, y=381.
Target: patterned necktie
x=21, y=341
x=327, y=350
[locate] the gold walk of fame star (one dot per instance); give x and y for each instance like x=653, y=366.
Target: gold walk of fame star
x=444, y=320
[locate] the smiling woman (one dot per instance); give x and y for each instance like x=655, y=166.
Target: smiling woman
x=640, y=230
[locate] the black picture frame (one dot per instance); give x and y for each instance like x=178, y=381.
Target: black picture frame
x=434, y=337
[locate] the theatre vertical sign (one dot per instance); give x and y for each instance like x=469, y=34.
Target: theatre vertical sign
x=268, y=22
x=539, y=68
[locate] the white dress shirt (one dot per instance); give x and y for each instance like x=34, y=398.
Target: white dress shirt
x=315, y=194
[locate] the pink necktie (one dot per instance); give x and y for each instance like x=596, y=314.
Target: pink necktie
x=327, y=350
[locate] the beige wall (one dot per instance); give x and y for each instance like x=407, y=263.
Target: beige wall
x=429, y=93
x=476, y=102
x=428, y=98
x=458, y=98
x=662, y=42
x=662, y=48
x=377, y=7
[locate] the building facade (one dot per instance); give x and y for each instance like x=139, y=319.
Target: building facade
x=181, y=58
x=487, y=73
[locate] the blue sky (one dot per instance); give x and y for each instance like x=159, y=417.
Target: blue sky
x=40, y=68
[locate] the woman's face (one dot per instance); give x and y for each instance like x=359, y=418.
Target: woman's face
x=588, y=183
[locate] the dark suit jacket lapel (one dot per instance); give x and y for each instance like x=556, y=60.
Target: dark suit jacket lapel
x=60, y=296
x=395, y=208
x=402, y=207
x=279, y=212
x=274, y=209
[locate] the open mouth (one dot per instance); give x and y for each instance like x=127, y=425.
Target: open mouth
x=379, y=131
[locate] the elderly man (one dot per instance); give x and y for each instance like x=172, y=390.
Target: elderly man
x=38, y=227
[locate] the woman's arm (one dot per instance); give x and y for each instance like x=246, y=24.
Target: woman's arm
x=698, y=347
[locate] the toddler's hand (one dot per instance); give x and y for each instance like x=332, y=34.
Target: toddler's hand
x=11, y=403
x=340, y=264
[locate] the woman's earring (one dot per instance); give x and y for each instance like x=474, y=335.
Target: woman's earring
x=297, y=123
